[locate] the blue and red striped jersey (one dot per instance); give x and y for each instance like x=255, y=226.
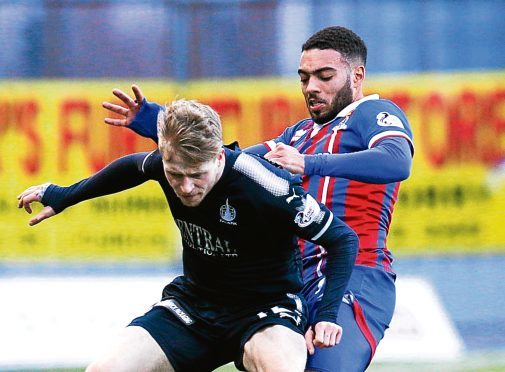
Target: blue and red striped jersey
x=366, y=207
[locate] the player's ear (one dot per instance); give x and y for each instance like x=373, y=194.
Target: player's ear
x=220, y=156
x=358, y=75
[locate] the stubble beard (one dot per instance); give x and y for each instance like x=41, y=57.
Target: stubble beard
x=342, y=99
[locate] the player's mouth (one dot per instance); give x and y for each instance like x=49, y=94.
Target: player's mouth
x=316, y=104
x=190, y=200
x=189, y=197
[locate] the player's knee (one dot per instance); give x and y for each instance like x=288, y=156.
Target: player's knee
x=266, y=354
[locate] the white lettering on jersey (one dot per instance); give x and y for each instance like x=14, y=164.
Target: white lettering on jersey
x=385, y=119
x=200, y=239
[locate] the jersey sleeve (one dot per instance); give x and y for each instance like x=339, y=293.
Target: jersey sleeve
x=314, y=222
x=380, y=119
x=121, y=174
x=389, y=161
x=145, y=122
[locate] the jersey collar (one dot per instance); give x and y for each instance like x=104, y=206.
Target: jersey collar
x=348, y=109
x=345, y=111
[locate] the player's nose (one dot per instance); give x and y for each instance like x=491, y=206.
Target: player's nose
x=312, y=86
x=186, y=185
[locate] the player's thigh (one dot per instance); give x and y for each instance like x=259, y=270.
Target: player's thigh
x=134, y=350
x=275, y=348
x=353, y=352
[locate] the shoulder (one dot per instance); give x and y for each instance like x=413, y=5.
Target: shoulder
x=266, y=175
x=152, y=163
x=381, y=113
x=374, y=107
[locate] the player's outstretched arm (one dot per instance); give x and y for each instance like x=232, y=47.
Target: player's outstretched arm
x=139, y=115
x=127, y=114
x=121, y=174
x=31, y=195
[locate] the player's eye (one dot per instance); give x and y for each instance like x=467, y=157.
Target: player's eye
x=196, y=175
x=175, y=175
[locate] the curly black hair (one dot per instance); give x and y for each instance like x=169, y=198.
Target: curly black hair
x=341, y=39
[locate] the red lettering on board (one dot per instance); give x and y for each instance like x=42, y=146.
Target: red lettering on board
x=75, y=121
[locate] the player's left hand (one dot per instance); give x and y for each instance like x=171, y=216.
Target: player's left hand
x=127, y=113
x=288, y=158
x=323, y=334
x=34, y=194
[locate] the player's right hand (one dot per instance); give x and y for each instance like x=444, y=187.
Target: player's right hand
x=127, y=113
x=34, y=194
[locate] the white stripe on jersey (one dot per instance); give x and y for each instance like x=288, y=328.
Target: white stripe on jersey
x=252, y=168
x=323, y=230
x=270, y=145
x=389, y=133
x=144, y=161
x=327, y=179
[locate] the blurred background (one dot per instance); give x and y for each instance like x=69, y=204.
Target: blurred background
x=99, y=264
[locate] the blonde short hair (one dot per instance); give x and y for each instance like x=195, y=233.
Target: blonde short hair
x=190, y=130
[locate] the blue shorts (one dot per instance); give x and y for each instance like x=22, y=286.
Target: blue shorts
x=364, y=315
x=198, y=334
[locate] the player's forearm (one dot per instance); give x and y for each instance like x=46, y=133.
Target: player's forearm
x=259, y=149
x=341, y=244
x=389, y=161
x=145, y=122
x=122, y=174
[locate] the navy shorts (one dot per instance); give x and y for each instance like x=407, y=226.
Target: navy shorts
x=365, y=314
x=197, y=334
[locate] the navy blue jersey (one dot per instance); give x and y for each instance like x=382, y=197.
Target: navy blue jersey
x=239, y=243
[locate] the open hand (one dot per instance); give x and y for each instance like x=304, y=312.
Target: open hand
x=128, y=113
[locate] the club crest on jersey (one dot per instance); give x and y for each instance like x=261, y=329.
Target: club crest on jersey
x=228, y=213
x=385, y=119
x=309, y=212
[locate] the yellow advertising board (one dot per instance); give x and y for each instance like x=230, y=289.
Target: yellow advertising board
x=53, y=131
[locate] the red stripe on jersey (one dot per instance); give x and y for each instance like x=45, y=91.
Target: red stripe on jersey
x=269, y=148
x=363, y=208
x=315, y=140
x=386, y=261
x=305, y=180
